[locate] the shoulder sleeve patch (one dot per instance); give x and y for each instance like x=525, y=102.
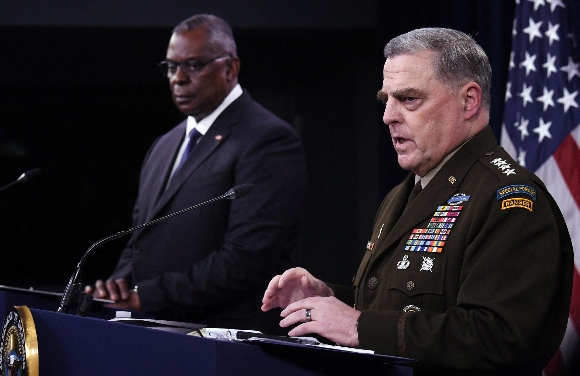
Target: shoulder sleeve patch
x=516, y=189
x=524, y=203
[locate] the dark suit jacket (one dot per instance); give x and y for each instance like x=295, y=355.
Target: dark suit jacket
x=211, y=265
x=496, y=298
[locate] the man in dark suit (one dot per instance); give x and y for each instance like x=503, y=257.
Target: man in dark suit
x=210, y=265
x=469, y=267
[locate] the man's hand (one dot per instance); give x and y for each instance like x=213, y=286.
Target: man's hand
x=293, y=285
x=118, y=291
x=114, y=290
x=131, y=304
x=329, y=317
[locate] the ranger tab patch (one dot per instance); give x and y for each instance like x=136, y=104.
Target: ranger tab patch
x=509, y=203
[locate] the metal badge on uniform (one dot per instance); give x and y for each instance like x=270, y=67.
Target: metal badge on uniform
x=427, y=264
x=372, y=283
x=458, y=199
x=370, y=246
x=516, y=189
x=404, y=263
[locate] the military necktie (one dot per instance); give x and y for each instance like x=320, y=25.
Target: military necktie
x=414, y=192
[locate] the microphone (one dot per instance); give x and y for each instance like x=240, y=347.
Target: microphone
x=72, y=293
x=27, y=176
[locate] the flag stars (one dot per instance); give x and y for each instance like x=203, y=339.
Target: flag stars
x=526, y=94
x=550, y=65
x=546, y=98
x=523, y=128
x=529, y=63
x=537, y=3
x=554, y=4
x=542, y=93
x=567, y=100
x=552, y=32
x=571, y=68
x=543, y=130
x=533, y=29
x=522, y=157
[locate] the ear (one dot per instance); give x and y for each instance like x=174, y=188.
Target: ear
x=233, y=69
x=472, y=100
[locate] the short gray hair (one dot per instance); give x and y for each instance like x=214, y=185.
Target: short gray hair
x=459, y=59
x=221, y=37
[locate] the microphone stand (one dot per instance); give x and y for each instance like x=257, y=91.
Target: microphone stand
x=73, y=294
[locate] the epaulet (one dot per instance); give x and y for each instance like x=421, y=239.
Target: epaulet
x=500, y=163
x=517, y=187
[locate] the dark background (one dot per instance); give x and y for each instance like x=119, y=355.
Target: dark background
x=82, y=99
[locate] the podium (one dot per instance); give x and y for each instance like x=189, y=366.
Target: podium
x=13, y=296
x=72, y=345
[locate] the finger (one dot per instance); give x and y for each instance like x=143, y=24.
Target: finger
x=305, y=283
x=269, y=303
x=301, y=304
x=290, y=319
x=112, y=289
x=88, y=289
x=297, y=316
x=272, y=287
x=124, y=288
x=311, y=327
x=100, y=290
x=290, y=275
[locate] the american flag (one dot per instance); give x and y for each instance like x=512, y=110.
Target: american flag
x=541, y=128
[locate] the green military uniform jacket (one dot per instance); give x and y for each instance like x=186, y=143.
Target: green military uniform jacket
x=483, y=252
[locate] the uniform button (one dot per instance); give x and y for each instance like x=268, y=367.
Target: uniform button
x=410, y=285
x=372, y=283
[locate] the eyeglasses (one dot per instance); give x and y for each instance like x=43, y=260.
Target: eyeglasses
x=191, y=67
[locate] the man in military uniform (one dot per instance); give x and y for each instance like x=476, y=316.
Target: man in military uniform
x=469, y=268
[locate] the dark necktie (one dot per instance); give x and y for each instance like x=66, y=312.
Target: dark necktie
x=194, y=136
x=414, y=192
